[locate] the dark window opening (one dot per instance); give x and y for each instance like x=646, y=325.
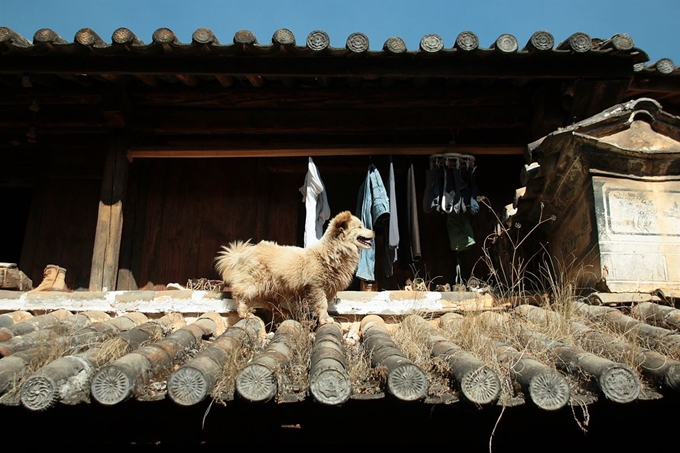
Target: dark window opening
x=16, y=204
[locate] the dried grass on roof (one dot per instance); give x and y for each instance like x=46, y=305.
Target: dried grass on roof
x=225, y=385
x=413, y=340
x=293, y=377
x=363, y=377
x=48, y=350
x=478, y=337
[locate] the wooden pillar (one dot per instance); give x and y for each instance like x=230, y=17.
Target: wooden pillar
x=110, y=220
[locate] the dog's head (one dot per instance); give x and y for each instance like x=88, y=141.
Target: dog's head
x=349, y=228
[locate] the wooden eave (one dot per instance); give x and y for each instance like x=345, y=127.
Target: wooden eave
x=181, y=96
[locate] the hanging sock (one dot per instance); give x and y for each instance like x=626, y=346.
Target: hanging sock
x=447, y=199
x=441, y=186
x=459, y=185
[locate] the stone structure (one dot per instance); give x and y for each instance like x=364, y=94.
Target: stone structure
x=612, y=182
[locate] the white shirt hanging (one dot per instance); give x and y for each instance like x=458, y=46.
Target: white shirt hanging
x=316, y=205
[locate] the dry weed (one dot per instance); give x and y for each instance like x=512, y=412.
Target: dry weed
x=293, y=378
x=478, y=336
x=225, y=384
x=363, y=377
x=413, y=338
x=48, y=350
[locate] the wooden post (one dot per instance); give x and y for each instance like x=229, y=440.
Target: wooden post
x=257, y=381
x=329, y=382
x=193, y=381
x=405, y=380
x=476, y=381
x=106, y=250
x=656, y=366
x=118, y=381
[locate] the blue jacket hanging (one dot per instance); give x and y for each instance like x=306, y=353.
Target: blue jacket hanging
x=373, y=208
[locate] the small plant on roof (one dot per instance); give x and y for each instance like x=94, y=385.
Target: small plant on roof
x=503, y=255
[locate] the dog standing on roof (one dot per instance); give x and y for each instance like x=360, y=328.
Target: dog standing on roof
x=295, y=279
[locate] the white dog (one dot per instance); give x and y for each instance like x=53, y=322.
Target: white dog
x=272, y=276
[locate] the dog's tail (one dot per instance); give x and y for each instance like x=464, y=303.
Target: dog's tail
x=230, y=257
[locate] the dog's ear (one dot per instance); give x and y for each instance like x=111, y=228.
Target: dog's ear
x=341, y=221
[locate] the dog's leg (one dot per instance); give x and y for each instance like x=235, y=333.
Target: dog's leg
x=320, y=305
x=243, y=310
x=325, y=318
x=315, y=302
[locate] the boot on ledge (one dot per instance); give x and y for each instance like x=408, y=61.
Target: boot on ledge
x=53, y=279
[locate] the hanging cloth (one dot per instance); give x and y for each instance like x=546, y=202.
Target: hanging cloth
x=412, y=214
x=316, y=205
x=394, y=221
x=461, y=236
x=431, y=192
x=391, y=244
x=373, y=208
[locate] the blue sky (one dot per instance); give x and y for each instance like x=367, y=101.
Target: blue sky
x=652, y=24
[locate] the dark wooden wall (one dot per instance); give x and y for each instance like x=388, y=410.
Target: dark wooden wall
x=178, y=212
x=62, y=188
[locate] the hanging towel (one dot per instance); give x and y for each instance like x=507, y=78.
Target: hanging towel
x=373, y=208
x=316, y=205
x=391, y=244
x=394, y=221
x=412, y=214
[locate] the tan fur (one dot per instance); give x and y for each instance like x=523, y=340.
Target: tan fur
x=294, y=279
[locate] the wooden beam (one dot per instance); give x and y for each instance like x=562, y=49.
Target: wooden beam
x=561, y=65
x=140, y=152
x=306, y=121
x=110, y=221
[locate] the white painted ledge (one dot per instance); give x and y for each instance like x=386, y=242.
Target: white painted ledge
x=195, y=301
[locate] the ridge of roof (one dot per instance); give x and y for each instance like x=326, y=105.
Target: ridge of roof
x=204, y=41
